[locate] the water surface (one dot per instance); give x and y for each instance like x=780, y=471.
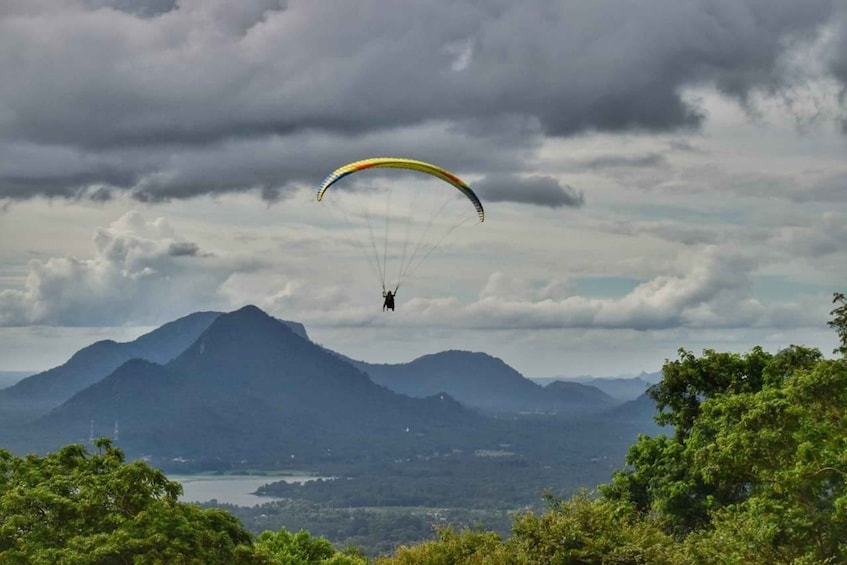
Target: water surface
x=231, y=489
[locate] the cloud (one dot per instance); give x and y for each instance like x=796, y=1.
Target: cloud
x=836, y=46
x=823, y=238
x=713, y=290
x=137, y=96
x=508, y=289
x=685, y=233
x=273, y=166
x=823, y=185
x=831, y=188
x=537, y=190
x=716, y=292
x=142, y=272
x=624, y=161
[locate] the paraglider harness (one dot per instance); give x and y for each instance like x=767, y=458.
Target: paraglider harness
x=389, y=298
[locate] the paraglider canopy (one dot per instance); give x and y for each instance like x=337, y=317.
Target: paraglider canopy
x=399, y=163
x=410, y=235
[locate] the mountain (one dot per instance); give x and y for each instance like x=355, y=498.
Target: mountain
x=580, y=394
x=482, y=382
x=620, y=388
x=37, y=394
x=640, y=412
x=249, y=388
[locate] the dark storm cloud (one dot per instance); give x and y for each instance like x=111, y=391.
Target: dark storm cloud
x=166, y=81
x=837, y=55
x=537, y=190
x=838, y=58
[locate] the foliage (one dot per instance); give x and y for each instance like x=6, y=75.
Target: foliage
x=785, y=446
x=756, y=468
x=579, y=530
x=70, y=506
x=467, y=547
x=839, y=321
x=661, y=477
x=582, y=530
x=690, y=380
x=286, y=548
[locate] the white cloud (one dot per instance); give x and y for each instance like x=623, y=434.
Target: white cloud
x=142, y=272
x=713, y=289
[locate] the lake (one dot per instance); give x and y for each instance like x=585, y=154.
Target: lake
x=231, y=489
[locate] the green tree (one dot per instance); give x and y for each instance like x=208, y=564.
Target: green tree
x=74, y=507
x=689, y=380
x=579, y=530
x=285, y=548
x=757, y=469
x=661, y=476
x=583, y=530
x=466, y=547
x=785, y=448
x=839, y=321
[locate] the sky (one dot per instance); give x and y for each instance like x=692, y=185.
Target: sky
x=656, y=175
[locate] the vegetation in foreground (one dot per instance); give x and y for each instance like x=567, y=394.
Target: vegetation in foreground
x=754, y=472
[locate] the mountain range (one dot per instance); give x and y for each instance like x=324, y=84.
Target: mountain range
x=218, y=388
x=481, y=381
x=619, y=388
x=35, y=395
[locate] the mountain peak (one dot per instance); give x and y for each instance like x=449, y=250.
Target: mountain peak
x=246, y=342
x=251, y=314
x=249, y=310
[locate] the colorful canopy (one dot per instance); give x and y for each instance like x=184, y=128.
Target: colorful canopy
x=399, y=163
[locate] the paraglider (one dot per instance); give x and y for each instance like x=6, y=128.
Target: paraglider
x=388, y=303
x=433, y=230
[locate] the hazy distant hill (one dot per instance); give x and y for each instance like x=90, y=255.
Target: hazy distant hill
x=483, y=382
x=250, y=388
x=619, y=388
x=8, y=378
x=580, y=394
x=640, y=412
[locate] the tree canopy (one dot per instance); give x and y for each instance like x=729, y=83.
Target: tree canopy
x=72, y=506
